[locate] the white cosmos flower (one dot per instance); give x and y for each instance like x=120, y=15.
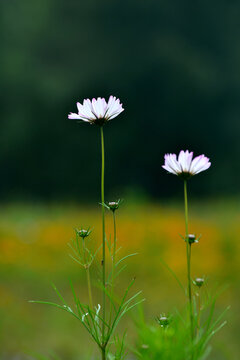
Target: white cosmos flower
x=185, y=166
x=97, y=111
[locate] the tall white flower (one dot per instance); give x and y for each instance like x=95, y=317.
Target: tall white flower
x=185, y=166
x=97, y=111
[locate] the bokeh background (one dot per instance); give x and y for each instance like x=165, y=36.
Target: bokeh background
x=175, y=67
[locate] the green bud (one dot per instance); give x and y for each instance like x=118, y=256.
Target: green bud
x=113, y=205
x=83, y=233
x=192, y=239
x=198, y=282
x=163, y=321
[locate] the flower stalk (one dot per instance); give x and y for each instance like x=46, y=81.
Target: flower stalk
x=188, y=251
x=114, y=249
x=83, y=234
x=103, y=353
x=113, y=260
x=103, y=241
x=89, y=287
x=99, y=323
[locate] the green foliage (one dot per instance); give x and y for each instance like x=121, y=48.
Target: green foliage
x=49, y=356
x=91, y=318
x=120, y=353
x=172, y=342
x=81, y=253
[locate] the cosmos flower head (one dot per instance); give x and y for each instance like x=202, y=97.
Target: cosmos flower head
x=185, y=165
x=97, y=111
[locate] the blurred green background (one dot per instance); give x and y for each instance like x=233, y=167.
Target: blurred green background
x=175, y=67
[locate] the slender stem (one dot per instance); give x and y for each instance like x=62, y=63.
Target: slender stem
x=86, y=264
x=188, y=249
x=114, y=246
x=199, y=311
x=103, y=241
x=103, y=353
x=89, y=287
x=113, y=261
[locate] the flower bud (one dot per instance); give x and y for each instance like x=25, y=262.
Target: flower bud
x=83, y=233
x=191, y=238
x=163, y=321
x=113, y=205
x=198, y=282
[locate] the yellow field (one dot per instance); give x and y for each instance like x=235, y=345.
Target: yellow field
x=34, y=253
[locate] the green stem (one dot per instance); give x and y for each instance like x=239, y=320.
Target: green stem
x=89, y=287
x=113, y=262
x=114, y=246
x=103, y=353
x=86, y=264
x=103, y=241
x=188, y=249
x=199, y=312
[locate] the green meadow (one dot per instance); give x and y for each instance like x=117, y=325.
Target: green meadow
x=34, y=253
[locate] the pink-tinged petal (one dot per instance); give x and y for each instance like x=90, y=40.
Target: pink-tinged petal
x=98, y=106
x=111, y=102
x=181, y=160
x=203, y=168
x=168, y=169
x=115, y=114
x=185, y=163
x=101, y=105
x=87, y=104
x=198, y=163
x=114, y=107
x=79, y=106
x=189, y=160
x=73, y=116
x=85, y=112
x=95, y=107
x=185, y=159
x=98, y=109
x=172, y=163
x=87, y=109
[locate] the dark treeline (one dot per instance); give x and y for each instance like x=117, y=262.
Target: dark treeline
x=175, y=65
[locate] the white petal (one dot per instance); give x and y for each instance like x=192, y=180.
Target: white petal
x=114, y=108
x=95, y=107
x=169, y=169
x=203, y=168
x=115, y=114
x=73, y=116
x=181, y=160
x=102, y=105
x=189, y=160
x=85, y=112
x=200, y=163
x=171, y=163
x=184, y=159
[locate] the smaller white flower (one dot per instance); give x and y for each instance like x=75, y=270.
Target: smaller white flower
x=97, y=111
x=185, y=166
